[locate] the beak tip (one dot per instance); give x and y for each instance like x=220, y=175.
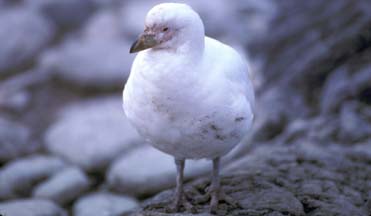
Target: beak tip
x=132, y=48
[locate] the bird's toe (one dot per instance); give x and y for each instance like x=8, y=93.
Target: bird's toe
x=216, y=196
x=181, y=205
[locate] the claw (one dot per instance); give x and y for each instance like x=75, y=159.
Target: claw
x=219, y=195
x=176, y=206
x=215, y=195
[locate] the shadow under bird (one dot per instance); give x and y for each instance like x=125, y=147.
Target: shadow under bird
x=188, y=95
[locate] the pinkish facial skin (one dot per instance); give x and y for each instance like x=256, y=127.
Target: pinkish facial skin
x=162, y=33
x=153, y=37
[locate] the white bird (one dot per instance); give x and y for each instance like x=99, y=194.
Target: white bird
x=189, y=95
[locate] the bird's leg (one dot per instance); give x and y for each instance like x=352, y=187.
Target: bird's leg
x=180, y=199
x=215, y=190
x=215, y=185
x=179, y=184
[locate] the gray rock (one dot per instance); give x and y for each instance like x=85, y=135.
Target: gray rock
x=336, y=90
x=353, y=126
x=17, y=101
x=10, y=3
x=336, y=48
x=361, y=80
x=103, y=65
x=63, y=187
x=297, y=129
x=368, y=205
x=31, y=207
x=14, y=140
x=107, y=3
x=302, y=95
x=23, y=34
x=271, y=122
x=96, y=59
x=363, y=149
x=258, y=16
x=145, y=171
x=65, y=14
x=344, y=84
x=19, y=176
x=90, y=134
x=15, y=94
x=262, y=197
x=103, y=26
x=104, y=204
x=305, y=179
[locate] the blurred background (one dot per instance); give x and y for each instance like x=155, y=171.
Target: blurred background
x=66, y=147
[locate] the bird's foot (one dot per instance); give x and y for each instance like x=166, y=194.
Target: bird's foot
x=177, y=205
x=216, y=195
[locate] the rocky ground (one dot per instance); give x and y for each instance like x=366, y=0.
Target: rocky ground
x=67, y=149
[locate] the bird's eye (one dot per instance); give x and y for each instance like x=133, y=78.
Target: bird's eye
x=165, y=29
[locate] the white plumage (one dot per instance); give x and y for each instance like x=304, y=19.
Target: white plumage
x=187, y=94
x=191, y=101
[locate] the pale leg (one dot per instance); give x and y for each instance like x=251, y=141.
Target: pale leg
x=215, y=185
x=215, y=189
x=179, y=183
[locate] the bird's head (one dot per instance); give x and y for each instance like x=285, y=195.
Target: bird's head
x=168, y=26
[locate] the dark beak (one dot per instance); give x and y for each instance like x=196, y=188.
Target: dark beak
x=145, y=41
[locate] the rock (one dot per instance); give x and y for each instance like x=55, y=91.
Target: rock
x=364, y=148
x=64, y=186
x=15, y=91
x=345, y=84
x=16, y=101
x=335, y=51
x=90, y=134
x=335, y=90
x=102, y=65
x=307, y=82
x=145, y=171
x=303, y=179
x=368, y=205
x=107, y=3
x=268, y=196
x=297, y=129
x=103, y=26
x=65, y=14
x=97, y=60
x=14, y=140
x=253, y=17
x=30, y=207
x=19, y=176
x=9, y=3
x=23, y=34
x=271, y=122
x=353, y=126
x=361, y=81
x=103, y=204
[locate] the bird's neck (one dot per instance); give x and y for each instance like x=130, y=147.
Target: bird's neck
x=192, y=41
x=188, y=53
x=192, y=49
x=172, y=70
